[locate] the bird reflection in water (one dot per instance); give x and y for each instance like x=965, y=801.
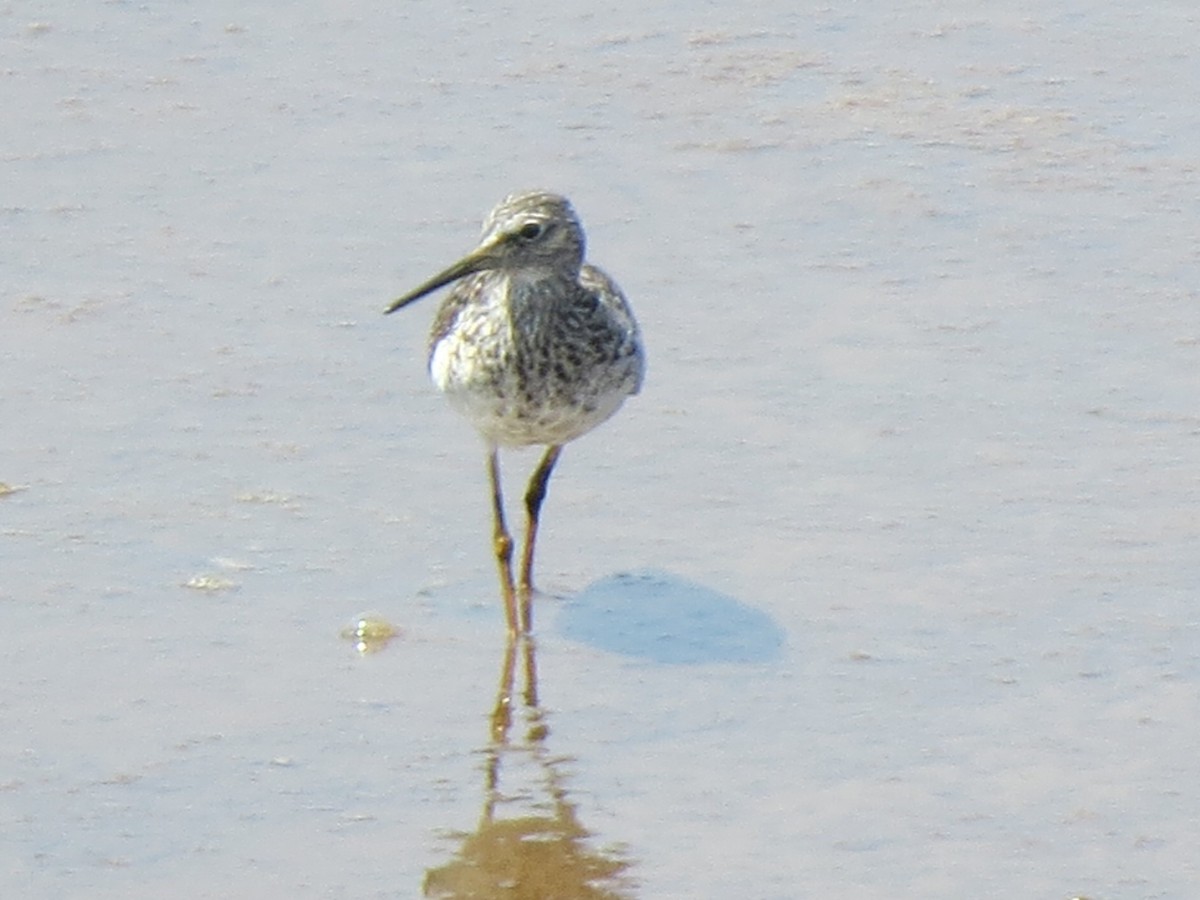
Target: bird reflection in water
x=529, y=843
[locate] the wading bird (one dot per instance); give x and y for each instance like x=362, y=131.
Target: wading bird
x=535, y=347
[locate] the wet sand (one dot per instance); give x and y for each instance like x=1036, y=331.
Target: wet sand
x=907, y=507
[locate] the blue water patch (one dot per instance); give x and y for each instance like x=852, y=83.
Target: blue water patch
x=661, y=617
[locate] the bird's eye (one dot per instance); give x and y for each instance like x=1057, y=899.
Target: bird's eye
x=530, y=231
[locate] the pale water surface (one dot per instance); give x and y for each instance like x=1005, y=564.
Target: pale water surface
x=920, y=284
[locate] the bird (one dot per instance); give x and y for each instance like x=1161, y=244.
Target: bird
x=534, y=346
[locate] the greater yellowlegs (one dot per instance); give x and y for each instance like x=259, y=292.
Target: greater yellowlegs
x=535, y=347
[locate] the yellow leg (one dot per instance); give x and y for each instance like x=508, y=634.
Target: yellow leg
x=534, y=496
x=502, y=543
x=531, y=687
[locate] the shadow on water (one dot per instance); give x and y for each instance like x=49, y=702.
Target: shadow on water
x=663, y=618
x=529, y=842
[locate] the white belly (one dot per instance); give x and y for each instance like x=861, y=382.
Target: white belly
x=489, y=394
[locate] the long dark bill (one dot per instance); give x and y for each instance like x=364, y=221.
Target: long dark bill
x=472, y=262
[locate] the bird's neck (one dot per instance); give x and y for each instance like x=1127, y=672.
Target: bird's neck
x=530, y=283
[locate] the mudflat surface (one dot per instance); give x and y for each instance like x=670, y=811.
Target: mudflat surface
x=885, y=587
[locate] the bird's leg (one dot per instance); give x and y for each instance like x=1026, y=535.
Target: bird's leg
x=502, y=543
x=531, y=687
x=501, y=722
x=534, y=495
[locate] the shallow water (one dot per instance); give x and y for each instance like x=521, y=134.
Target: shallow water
x=919, y=293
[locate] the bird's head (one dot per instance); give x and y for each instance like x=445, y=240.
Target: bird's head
x=532, y=230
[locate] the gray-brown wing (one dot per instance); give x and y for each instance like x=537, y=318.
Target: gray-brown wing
x=619, y=315
x=461, y=295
